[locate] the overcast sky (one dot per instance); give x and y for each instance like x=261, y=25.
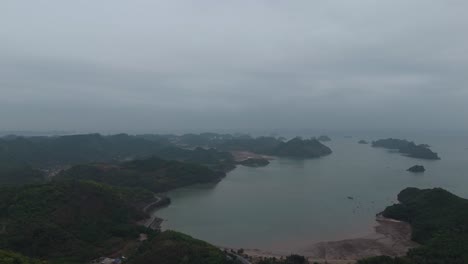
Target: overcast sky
x=148, y=66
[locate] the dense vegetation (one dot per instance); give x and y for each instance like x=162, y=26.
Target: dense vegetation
x=77, y=221
x=92, y=210
x=172, y=247
x=208, y=149
x=439, y=221
x=20, y=157
x=385, y=260
x=297, y=147
x=216, y=160
x=154, y=174
x=76, y=149
x=406, y=147
x=8, y=257
x=71, y=220
x=254, y=162
x=430, y=212
x=292, y=259
x=13, y=174
x=46, y=151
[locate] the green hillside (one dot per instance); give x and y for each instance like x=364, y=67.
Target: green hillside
x=154, y=174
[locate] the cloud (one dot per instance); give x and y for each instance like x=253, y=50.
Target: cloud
x=233, y=64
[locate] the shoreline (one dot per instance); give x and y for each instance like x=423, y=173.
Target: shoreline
x=153, y=221
x=390, y=238
x=162, y=200
x=244, y=155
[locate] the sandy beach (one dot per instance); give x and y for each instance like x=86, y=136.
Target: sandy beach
x=244, y=155
x=391, y=238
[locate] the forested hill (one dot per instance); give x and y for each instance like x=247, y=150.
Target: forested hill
x=301, y=148
x=277, y=146
x=75, y=220
x=439, y=221
x=13, y=174
x=44, y=151
x=172, y=247
x=8, y=257
x=208, y=148
x=409, y=148
x=75, y=149
x=430, y=212
x=32, y=159
x=154, y=174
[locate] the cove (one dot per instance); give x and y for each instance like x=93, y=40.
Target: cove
x=291, y=204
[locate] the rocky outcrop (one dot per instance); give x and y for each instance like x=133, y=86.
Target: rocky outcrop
x=417, y=168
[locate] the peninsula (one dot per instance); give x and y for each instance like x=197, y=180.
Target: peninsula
x=439, y=223
x=254, y=162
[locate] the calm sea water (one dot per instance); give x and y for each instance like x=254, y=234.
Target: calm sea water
x=290, y=204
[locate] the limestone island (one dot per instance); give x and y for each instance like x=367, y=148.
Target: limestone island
x=242, y=146
x=407, y=148
x=301, y=148
x=362, y=141
x=264, y=147
x=417, y=168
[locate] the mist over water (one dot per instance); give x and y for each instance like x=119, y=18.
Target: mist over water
x=291, y=204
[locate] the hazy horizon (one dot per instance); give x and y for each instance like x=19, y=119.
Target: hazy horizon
x=239, y=66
